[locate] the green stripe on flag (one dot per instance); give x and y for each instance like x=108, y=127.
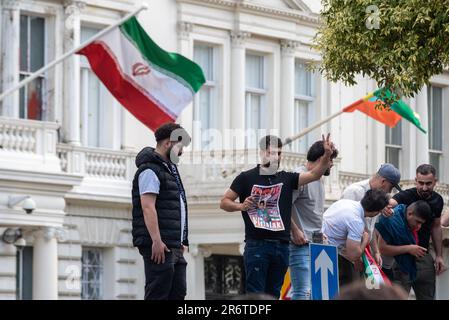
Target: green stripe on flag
x=401, y=108
x=172, y=64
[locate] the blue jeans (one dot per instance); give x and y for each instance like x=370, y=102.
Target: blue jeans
x=266, y=262
x=300, y=271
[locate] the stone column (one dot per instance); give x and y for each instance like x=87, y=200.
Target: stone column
x=45, y=263
x=186, y=49
x=72, y=38
x=10, y=56
x=422, y=140
x=195, y=272
x=287, y=87
x=238, y=84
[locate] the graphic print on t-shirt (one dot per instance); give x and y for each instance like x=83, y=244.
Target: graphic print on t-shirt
x=265, y=213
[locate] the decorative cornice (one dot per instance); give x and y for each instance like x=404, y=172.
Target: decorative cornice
x=309, y=17
x=288, y=47
x=112, y=212
x=195, y=250
x=184, y=29
x=79, y=4
x=238, y=38
x=10, y=5
x=48, y=233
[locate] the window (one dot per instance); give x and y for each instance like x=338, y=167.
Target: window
x=24, y=273
x=32, y=57
x=205, y=104
x=224, y=276
x=303, y=112
x=95, y=100
x=255, y=103
x=435, y=114
x=393, y=144
x=92, y=274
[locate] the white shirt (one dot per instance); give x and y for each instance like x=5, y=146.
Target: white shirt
x=356, y=192
x=344, y=220
x=149, y=183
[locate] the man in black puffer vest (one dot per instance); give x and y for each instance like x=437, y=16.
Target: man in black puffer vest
x=159, y=225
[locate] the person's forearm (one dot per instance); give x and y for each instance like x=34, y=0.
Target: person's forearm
x=365, y=242
x=373, y=244
x=392, y=251
x=152, y=224
x=293, y=225
x=230, y=206
x=321, y=168
x=437, y=238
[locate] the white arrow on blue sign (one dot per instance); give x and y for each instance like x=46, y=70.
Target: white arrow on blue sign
x=323, y=271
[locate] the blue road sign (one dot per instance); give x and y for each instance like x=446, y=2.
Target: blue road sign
x=323, y=271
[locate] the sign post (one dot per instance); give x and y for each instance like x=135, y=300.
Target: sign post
x=323, y=271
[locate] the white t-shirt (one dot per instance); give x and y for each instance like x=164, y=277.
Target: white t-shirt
x=356, y=192
x=149, y=183
x=344, y=220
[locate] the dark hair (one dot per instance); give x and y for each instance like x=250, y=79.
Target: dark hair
x=359, y=291
x=374, y=200
x=270, y=141
x=317, y=150
x=421, y=209
x=165, y=130
x=426, y=169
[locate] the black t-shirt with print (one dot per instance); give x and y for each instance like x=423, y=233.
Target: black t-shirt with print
x=435, y=202
x=273, y=195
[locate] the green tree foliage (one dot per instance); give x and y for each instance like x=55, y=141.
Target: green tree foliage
x=398, y=43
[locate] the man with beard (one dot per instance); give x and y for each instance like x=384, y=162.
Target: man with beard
x=307, y=220
x=159, y=224
x=266, y=252
x=427, y=268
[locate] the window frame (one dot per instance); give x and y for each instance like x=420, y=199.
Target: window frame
x=310, y=100
x=101, y=277
x=212, y=85
x=430, y=110
x=44, y=78
x=262, y=93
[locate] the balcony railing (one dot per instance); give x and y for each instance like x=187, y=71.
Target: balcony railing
x=347, y=178
x=28, y=144
x=97, y=163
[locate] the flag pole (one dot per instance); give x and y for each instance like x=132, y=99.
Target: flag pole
x=69, y=53
x=313, y=127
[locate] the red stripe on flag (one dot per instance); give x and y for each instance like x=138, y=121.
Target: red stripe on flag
x=372, y=261
x=387, y=117
x=105, y=66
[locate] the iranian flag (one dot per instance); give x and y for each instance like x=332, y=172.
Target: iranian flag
x=390, y=117
x=154, y=85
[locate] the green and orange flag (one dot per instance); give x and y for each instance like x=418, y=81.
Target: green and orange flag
x=390, y=117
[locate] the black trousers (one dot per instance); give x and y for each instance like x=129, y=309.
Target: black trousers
x=424, y=284
x=346, y=272
x=165, y=281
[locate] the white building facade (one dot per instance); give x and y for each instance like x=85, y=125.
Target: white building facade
x=67, y=145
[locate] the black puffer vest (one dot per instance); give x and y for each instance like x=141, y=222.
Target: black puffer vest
x=168, y=206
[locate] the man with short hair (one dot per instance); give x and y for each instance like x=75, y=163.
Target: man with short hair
x=344, y=227
x=427, y=268
x=386, y=178
x=398, y=238
x=307, y=221
x=159, y=224
x=267, y=238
